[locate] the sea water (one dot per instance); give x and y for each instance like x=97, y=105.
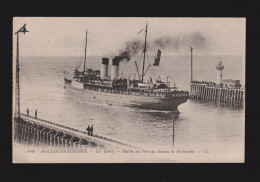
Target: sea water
x=201, y=125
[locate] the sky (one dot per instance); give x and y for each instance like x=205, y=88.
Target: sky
x=60, y=36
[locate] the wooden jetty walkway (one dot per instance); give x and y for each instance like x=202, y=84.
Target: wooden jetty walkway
x=206, y=92
x=35, y=131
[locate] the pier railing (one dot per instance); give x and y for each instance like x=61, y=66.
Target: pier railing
x=147, y=93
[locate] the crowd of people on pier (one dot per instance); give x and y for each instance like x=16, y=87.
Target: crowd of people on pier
x=213, y=84
x=203, y=82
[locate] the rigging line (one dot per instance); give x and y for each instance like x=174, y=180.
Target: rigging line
x=148, y=61
x=151, y=68
x=139, y=62
x=80, y=63
x=147, y=69
x=80, y=57
x=152, y=73
x=137, y=69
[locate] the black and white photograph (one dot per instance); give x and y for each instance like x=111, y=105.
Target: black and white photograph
x=128, y=90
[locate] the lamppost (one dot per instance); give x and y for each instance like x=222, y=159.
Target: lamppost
x=17, y=108
x=191, y=79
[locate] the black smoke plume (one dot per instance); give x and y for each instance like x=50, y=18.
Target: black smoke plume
x=176, y=42
x=132, y=48
x=181, y=41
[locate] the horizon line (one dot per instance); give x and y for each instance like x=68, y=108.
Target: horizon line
x=134, y=56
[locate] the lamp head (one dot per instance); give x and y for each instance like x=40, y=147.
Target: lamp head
x=23, y=29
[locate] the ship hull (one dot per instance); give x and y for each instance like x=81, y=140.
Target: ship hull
x=132, y=101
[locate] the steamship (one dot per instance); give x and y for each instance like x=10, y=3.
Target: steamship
x=98, y=86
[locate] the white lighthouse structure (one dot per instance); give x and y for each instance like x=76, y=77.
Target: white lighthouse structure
x=219, y=67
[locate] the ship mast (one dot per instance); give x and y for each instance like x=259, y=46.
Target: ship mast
x=144, y=52
x=191, y=79
x=85, y=58
x=17, y=108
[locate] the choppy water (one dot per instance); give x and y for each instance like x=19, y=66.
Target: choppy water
x=199, y=124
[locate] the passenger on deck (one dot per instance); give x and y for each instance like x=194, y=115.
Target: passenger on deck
x=27, y=111
x=88, y=129
x=91, y=130
x=36, y=113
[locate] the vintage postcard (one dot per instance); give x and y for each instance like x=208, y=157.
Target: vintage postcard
x=128, y=90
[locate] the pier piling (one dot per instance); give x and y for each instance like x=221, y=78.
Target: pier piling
x=206, y=92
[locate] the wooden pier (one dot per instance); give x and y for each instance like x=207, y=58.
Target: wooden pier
x=209, y=92
x=33, y=131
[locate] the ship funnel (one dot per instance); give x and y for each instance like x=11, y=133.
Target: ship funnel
x=114, y=69
x=104, y=68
